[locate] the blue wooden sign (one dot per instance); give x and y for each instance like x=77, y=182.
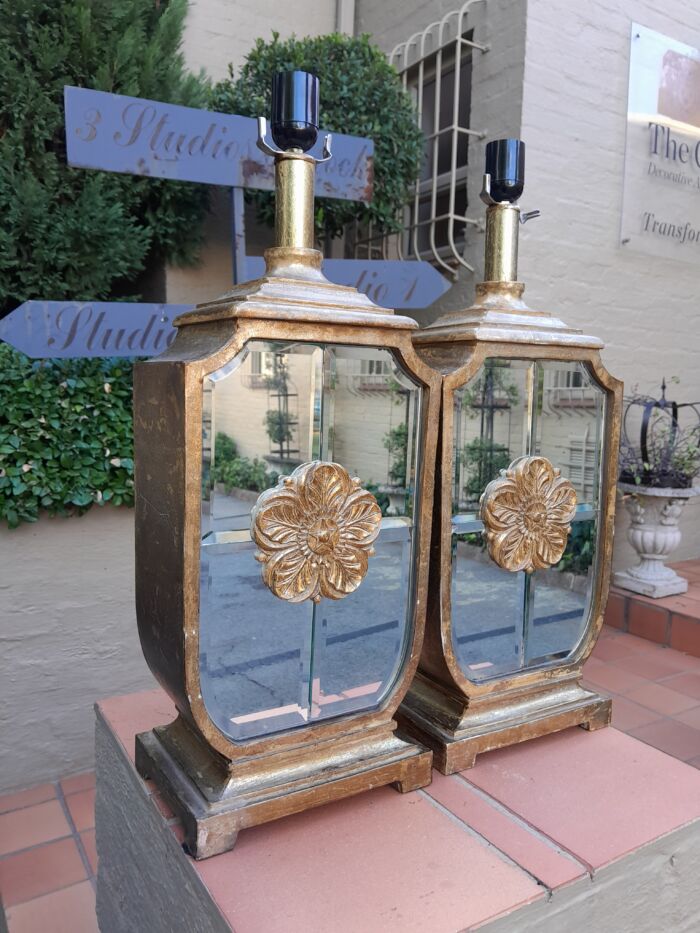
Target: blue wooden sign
x=147, y=137
x=64, y=329
x=392, y=283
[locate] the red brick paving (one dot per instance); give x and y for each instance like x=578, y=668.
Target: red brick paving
x=661, y=705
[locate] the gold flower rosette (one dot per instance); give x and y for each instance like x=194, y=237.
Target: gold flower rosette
x=527, y=514
x=315, y=531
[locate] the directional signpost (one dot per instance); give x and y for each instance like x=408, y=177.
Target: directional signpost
x=112, y=328
x=64, y=329
x=145, y=137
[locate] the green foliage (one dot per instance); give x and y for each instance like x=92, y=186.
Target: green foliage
x=396, y=442
x=383, y=500
x=278, y=425
x=235, y=472
x=660, y=442
x=243, y=473
x=483, y=460
x=492, y=388
x=580, y=549
x=360, y=95
x=65, y=436
x=225, y=449
x=67, y=232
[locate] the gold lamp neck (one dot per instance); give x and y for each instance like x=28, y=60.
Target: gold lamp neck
x=295, y=175
x=501, y=246
x=294, y=202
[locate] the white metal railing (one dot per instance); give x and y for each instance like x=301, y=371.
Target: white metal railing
x=564, y=392
x=435, y=66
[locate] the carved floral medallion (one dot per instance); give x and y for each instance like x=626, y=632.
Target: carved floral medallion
x=527, y=513
x=315, y=531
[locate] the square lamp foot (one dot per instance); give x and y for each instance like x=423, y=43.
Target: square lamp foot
x=455, y=747
x=215, y=802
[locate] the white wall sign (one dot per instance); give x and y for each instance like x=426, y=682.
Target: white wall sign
x=661, y=200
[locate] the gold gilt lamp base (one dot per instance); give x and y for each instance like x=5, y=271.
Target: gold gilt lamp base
x=215, y=799
x=457, y=734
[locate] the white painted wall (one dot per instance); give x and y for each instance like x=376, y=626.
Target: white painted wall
x=218, y=32
x=67, y=638
x=646, y=309
x=556, y=75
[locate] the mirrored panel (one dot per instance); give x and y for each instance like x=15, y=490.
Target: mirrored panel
x=569, y=425
x=491, y=428
x=269, y=665
x=486, y=601
x=504, y=622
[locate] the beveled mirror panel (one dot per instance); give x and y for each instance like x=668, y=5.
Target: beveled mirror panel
x=267, y=665
x=504, y=622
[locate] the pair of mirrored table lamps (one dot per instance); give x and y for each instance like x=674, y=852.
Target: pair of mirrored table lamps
x=344, y=522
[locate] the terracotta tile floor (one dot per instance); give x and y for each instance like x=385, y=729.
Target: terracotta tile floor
x=655, y=691
x=48, y=858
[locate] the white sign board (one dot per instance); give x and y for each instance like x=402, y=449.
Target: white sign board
x=661, y=200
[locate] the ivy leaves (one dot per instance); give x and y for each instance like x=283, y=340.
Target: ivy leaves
x=65, y=436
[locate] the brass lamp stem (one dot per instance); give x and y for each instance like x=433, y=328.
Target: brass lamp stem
x=294, y=204
x=501, y=248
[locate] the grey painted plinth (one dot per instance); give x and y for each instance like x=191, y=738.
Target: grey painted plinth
x=146, y=884
x=652, y=890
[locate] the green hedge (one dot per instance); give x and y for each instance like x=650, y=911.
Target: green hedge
x=235, y=472
x=66, y=435
x=360, y=94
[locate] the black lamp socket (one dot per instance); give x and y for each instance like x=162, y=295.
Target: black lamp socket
x=294, y=122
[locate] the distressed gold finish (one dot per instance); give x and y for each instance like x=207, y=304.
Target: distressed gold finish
x=216, y=785
x=456, y=717
x=527, y=514
x=294, y=205
x=501, y=263
x=315, y=531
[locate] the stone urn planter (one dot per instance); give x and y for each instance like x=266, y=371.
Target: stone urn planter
x=654, y=534
x=397, y=499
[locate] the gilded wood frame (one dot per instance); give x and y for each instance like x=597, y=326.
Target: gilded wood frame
x=168, y=429
x=458, y=717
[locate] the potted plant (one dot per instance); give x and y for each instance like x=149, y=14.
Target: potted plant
x=659, y=460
